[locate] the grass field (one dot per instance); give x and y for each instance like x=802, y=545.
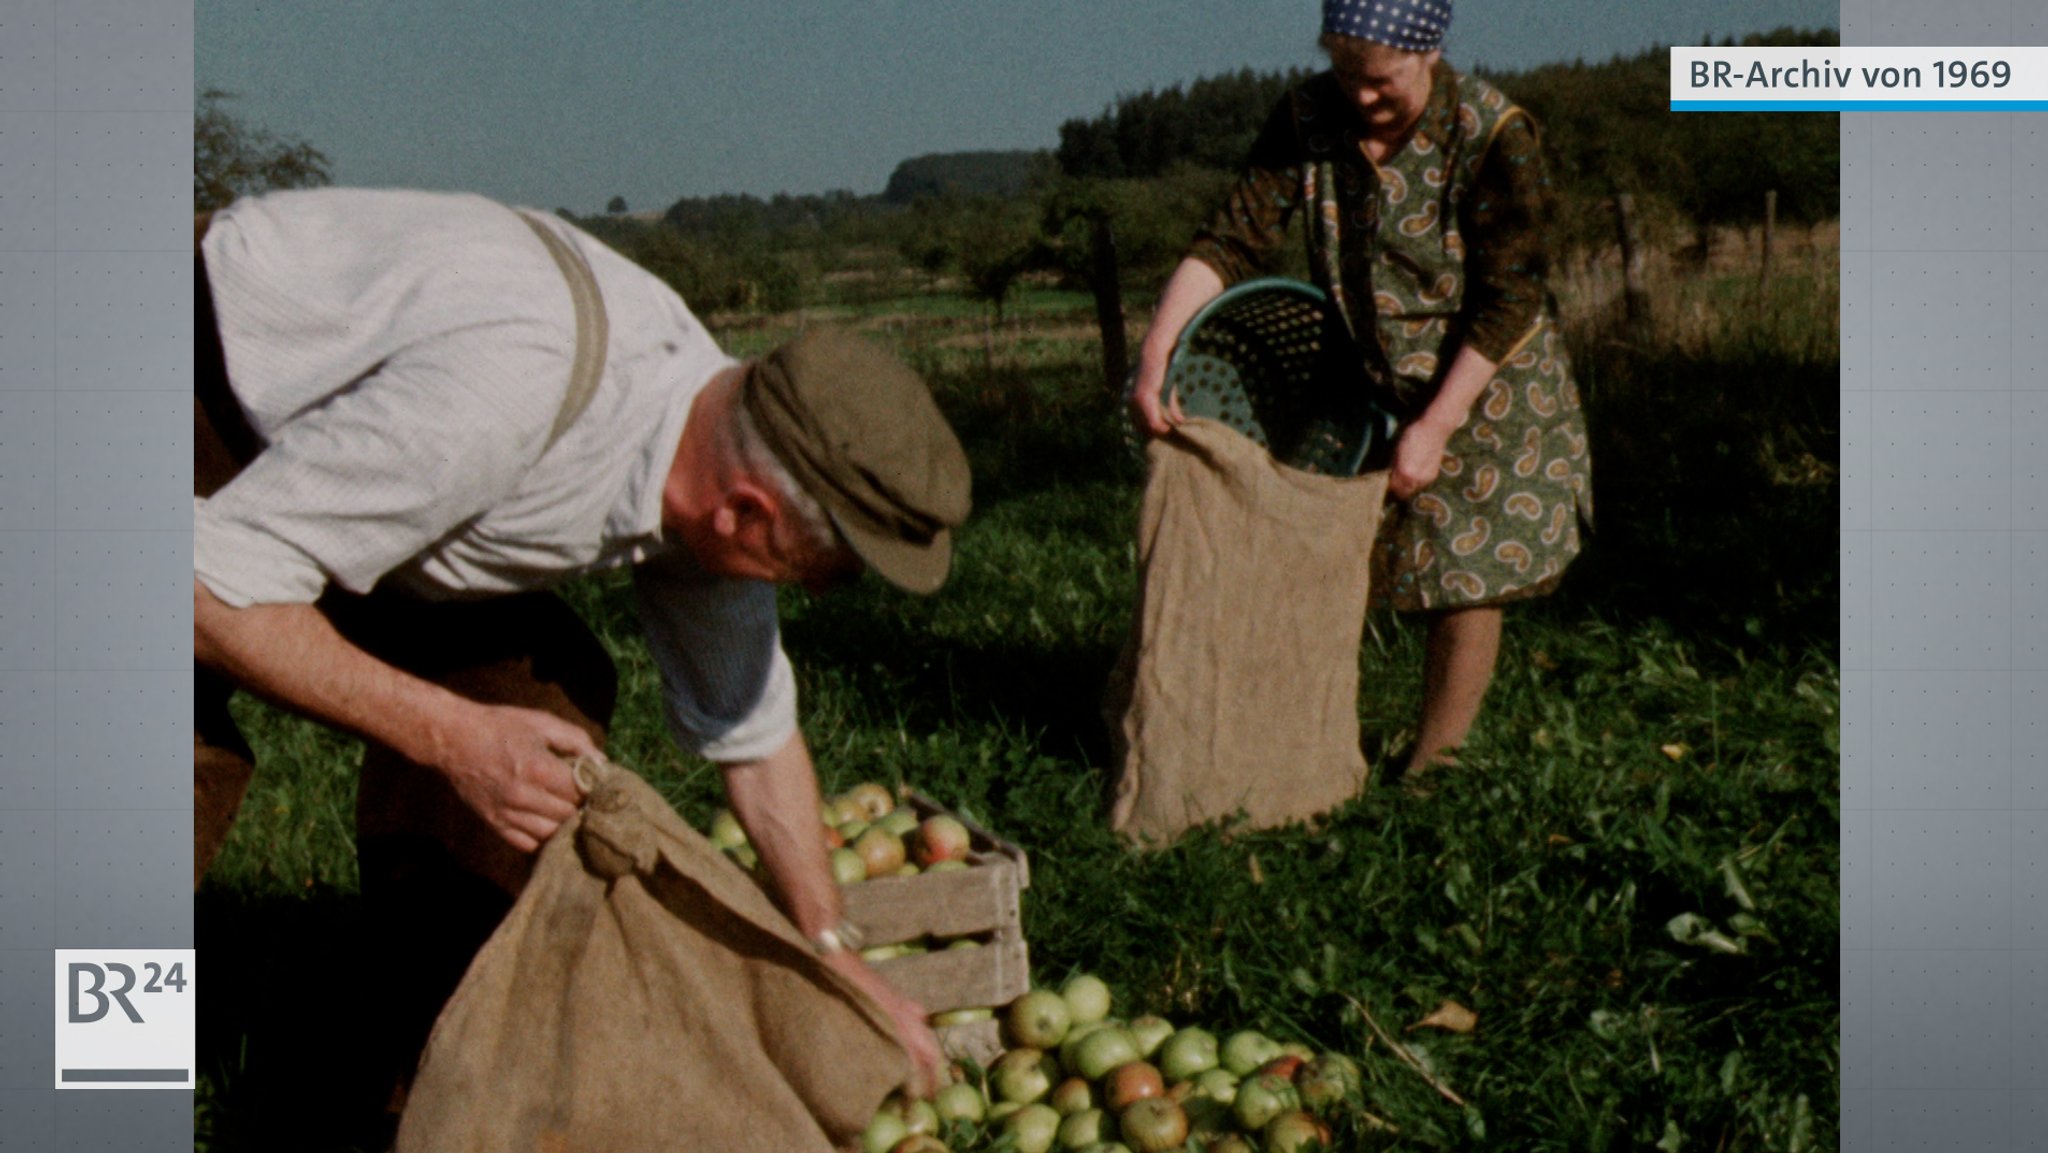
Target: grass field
x=1658, y=758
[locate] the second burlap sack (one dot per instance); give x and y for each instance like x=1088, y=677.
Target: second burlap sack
x=1238, y=689
x=645, y=994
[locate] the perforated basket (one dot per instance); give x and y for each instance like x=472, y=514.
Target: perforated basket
x=1271, y=359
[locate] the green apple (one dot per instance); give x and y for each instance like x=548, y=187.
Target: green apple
x=1246, y=1050
x=726, y=832
x=883, y=1133
x=960, y=1101
x=1293, y=1132
x=1151, y=1032
x=1024, y=1075
x=1072, y=1096
x=1153, y=1125
x=897, y=822
x=1038, y=1019
x=1262, y=1098
x=1087, y=998
x=1087, y=1127
x=1326, y=1081
x=1219, y=1084
x=1034, y=1128
x=1188, y=1054
x=847, y=867
x=1103, y=1050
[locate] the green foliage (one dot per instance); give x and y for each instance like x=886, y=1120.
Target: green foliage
x=233, y=158
x=1607, y=128
x=1209, y=123
x=971, y=174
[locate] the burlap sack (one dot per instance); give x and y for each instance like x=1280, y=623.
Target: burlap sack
x=1238, y=689
x=645, y=994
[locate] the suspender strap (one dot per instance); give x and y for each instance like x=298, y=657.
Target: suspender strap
x=593, y=331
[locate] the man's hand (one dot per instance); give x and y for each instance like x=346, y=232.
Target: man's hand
x=511, y=765
x=504, y=762
x=928, y=1069
x=1418, y=458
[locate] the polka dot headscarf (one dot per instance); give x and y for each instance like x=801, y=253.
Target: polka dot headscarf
x=1410, y=25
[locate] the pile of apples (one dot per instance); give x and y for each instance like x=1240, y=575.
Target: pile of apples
x=1078, y=1081
x=868, y=835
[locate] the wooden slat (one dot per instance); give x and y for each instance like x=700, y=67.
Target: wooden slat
x=988, y=977
x=965, y=902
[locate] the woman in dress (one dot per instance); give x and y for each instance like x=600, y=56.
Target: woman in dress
x=1424, y=199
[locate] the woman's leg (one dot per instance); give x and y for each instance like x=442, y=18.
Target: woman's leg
x=1462, y=647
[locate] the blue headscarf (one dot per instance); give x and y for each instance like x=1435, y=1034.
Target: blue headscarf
x=1410, y=25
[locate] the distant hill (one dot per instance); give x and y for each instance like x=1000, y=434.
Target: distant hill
x=998, y=174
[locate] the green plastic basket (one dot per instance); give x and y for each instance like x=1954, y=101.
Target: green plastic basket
x=1271, y=359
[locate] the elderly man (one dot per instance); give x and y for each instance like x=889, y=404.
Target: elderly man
x=418, y=411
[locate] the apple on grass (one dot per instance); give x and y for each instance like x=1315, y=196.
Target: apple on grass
x=1038, y=1019
x=1153, y=1125
x=1293, y=1132
x=1188, y=1054
x=1085, y=1128
x=1130, y=1083
x=1103, y=1049
x=1087, y=998
x=1033, y=1128
x=1261, y=1098
x=1024, y=1075
x=1245, y=1050
x=883, y=1133
x=1072, y=1096
x=1151, y=1031
x=960, y=1101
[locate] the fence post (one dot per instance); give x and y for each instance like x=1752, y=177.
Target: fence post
x=1109, y=304
x=1635, y=299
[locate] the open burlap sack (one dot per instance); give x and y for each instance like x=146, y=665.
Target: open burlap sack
x=1238, y=688
x=645, y=994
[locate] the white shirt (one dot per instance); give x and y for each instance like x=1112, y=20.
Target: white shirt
x=402, y=356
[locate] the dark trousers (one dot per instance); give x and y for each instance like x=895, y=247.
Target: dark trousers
x=435, y=879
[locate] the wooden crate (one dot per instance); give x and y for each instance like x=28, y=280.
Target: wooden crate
x=983, y=901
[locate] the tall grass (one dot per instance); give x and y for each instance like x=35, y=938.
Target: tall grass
x=1658, y=757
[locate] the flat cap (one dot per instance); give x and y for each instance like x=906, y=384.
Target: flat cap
x=858, y=429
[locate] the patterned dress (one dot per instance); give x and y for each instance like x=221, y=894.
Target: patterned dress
x=1439, y=246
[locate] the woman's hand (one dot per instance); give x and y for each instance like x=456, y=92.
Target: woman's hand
x=1418, y=458
x=1152, y=413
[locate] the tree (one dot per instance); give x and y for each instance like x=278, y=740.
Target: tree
x=617, y=206
x=231, y=158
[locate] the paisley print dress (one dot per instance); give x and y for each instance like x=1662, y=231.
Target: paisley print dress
x=1438, y=246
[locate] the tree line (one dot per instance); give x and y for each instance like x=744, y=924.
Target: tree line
x=1143, y=175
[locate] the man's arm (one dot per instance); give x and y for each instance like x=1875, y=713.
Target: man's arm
x=776, y=800
x=504, y=762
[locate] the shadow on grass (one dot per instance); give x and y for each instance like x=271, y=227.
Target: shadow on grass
x=285, y=1061
x=319, y=1004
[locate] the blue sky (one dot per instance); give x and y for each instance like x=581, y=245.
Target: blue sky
x=566, y=103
